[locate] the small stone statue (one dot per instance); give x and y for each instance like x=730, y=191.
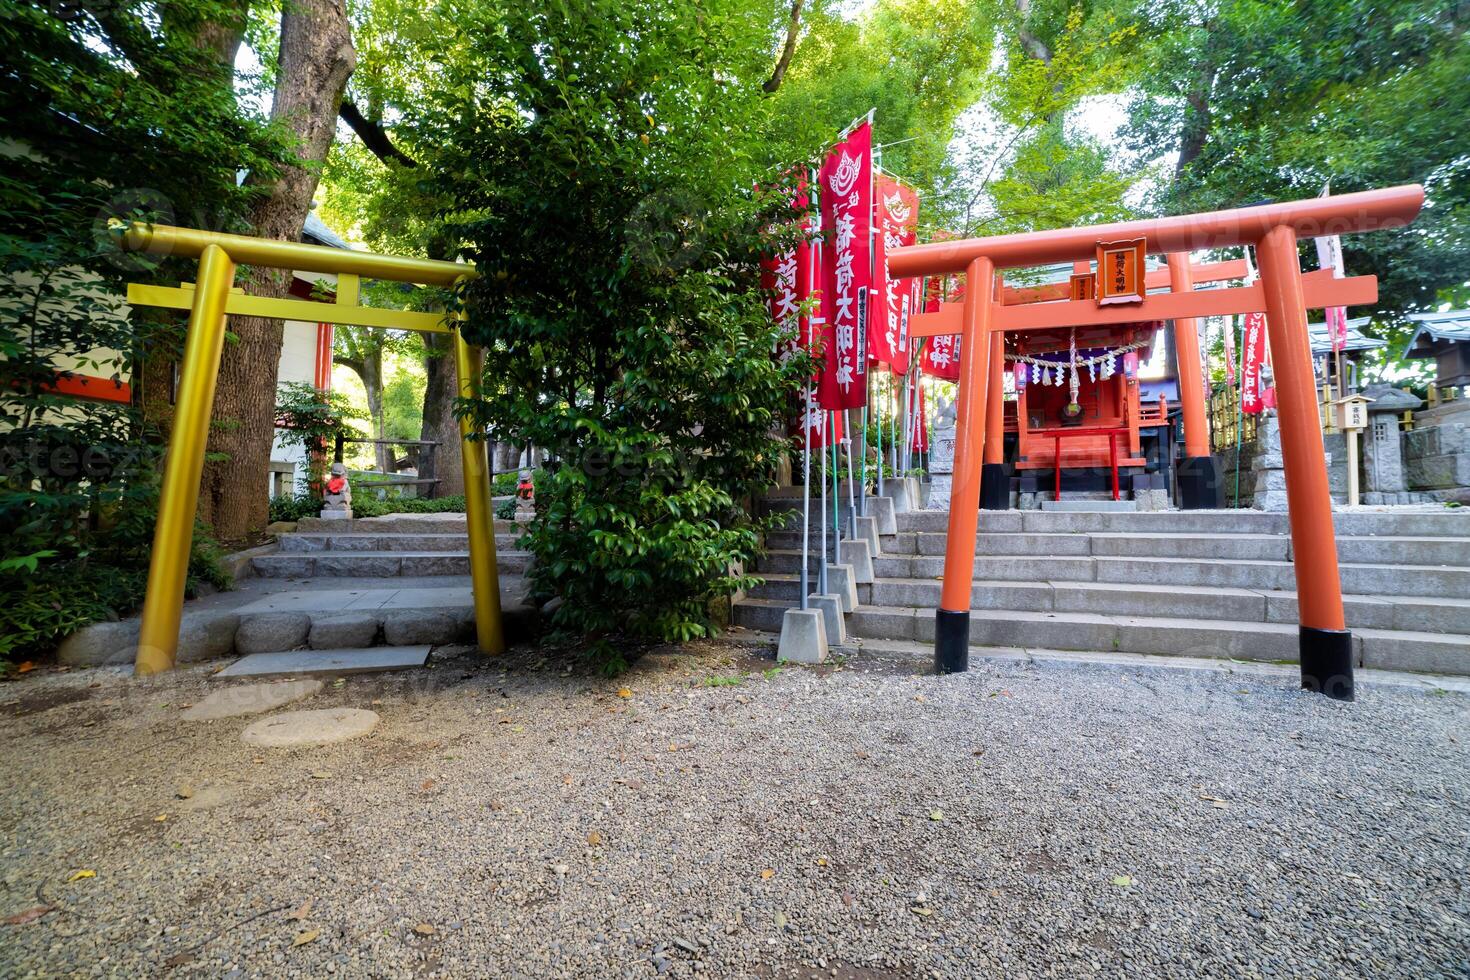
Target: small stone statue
x=525, y=499
x=337, y=495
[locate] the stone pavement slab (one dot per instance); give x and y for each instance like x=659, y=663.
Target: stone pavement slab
x=302, y=729
x=331, y=662
x=249, y=699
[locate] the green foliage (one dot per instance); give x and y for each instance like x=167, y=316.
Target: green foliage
x=505, y=510
x=109, y=111
x=313, y=419
x=603, y=189
x=1270, y=100
x=294, y=508
x=372, y=507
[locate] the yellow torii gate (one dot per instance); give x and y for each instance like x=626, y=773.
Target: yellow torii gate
x=209, y=299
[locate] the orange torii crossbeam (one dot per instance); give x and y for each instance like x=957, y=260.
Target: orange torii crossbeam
x=1282, y=292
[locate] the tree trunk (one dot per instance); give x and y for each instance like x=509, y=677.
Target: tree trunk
x=445, y=462
x=316, y=59
x=372, y=383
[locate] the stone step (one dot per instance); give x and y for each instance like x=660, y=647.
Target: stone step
x=1247, y=547
x=327, y=663
x=1189, y=637
x=379, y=564
x=357, y=542
x=447, y=523
x=1276, y=576
x=1399, y=521
x=1429, y=614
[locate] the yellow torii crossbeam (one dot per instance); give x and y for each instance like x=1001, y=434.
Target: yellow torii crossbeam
x=209, y=300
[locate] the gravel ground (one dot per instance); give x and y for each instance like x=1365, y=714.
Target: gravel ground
x=1024, y=820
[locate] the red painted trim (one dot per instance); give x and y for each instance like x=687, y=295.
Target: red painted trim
x=322, y=377
x=92, y=388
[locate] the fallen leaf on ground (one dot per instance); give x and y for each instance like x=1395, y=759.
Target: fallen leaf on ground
x=1214, y=801
x=79, y=875
x=1123, y=881
x=767, y=874
x=28, y=916
x=780, y=920
x=594, y=838
x=302, y=911
x=184, y=792
x=566, y=780
x=623, y=692
x=25, y=667
x=920, y=698
x=426, y=785
x=424, y=929
x=936, y=815
x=160, y=818
x=861, y=754
x=923, y=912
x=821, y=862
x=302, y=938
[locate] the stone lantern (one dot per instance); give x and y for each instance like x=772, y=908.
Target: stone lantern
x=1383, y=460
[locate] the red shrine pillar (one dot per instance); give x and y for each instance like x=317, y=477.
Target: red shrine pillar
x=1325, y=643
x=995, y=485
x=952, y=618
x=1201, y=486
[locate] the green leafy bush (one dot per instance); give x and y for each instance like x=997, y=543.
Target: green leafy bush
x=372, y=507
x=292, y=509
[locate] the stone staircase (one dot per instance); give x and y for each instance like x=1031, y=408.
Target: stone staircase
x=1197, y=583
x=404, y=545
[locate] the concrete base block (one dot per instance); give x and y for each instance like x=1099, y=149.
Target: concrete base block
x=803, y=637
x=842, y=583
x=859, y=555
x=866, y=529
x=832, y=620
x=883, y=511
x=902, y=493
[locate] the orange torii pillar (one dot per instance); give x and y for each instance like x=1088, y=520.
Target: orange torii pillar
x=1325, y=645
x=952, y=620
x=1201, y=485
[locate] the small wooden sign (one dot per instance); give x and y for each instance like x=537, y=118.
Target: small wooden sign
x=1084, y=286
x=1352, y=412
x=1120, y=272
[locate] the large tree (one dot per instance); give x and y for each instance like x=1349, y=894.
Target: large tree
x=1272, y=99
x=311, y=70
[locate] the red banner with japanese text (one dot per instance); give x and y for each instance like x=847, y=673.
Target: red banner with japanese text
x=898, y=225
x=1252, y=356
x=821, y=436
x=847, y=273
x=786, y=279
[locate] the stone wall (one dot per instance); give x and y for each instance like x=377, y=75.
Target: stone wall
x=1436, y=453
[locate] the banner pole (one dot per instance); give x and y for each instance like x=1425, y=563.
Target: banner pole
x=836, y=496
x=822, y=513
x=806, y=490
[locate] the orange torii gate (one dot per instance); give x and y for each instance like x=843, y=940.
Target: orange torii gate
x=1282, y=292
